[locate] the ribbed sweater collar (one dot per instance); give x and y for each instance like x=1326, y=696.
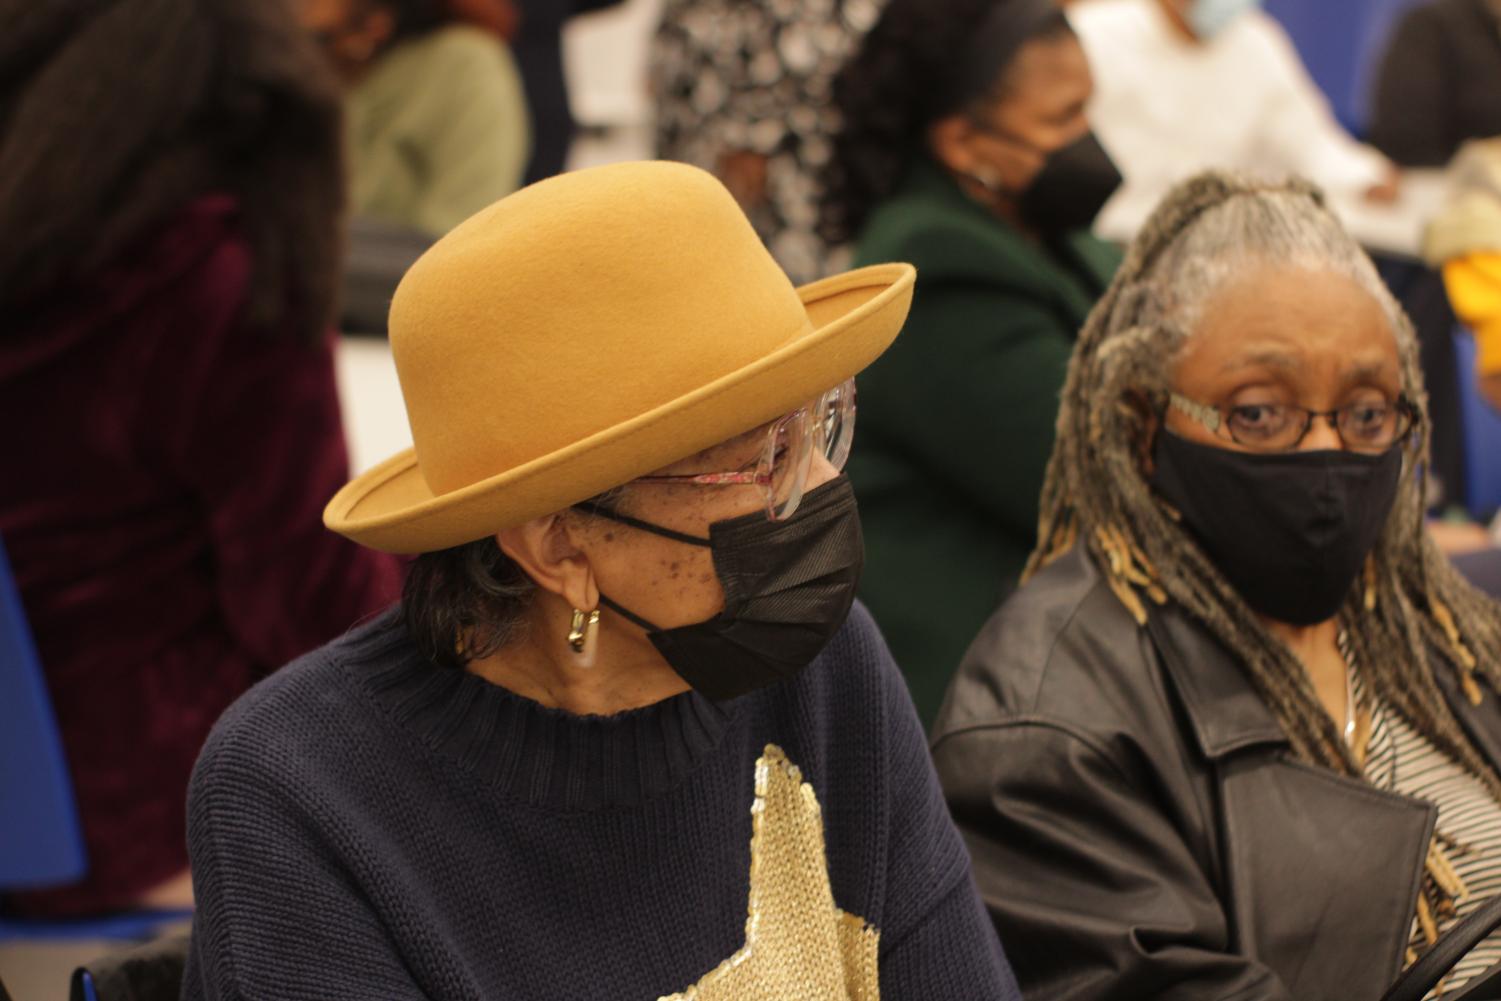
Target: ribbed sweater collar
x=525, y=751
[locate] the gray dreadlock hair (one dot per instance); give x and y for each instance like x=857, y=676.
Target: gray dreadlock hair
x=1096, y=493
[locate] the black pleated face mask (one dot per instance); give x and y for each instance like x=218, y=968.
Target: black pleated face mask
x=1073, y=186
x=788, y=587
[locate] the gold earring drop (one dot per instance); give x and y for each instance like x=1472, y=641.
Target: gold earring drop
x=987, y=178
x=583, y=636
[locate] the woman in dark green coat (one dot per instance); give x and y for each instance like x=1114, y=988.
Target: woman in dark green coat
x=965, y=150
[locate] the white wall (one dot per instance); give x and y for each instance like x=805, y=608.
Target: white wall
x=605, y=56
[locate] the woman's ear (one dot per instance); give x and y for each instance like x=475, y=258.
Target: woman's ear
x=949, y=139
x=547, y=549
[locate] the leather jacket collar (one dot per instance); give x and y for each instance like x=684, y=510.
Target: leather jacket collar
x=1082, y=755
x=1227, y=714
x=1224, y=710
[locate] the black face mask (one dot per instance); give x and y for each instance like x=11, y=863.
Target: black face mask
x=1072, y=187
x=788, y=587
x=1291, y=530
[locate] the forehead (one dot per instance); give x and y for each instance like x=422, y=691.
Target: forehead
x=1280, y=317
x=727, y=456
x=318, y=14
x=1048, y=75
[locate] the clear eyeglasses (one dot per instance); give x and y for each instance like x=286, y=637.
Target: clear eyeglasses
x=1373, y=426
x=824, y=426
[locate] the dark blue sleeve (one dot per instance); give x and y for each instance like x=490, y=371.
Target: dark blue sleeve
x=276, y=916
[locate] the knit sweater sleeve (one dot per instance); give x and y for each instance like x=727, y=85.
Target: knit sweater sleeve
x=277, y=915
x=936, y=940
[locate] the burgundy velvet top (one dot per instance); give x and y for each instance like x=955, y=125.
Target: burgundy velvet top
x=165, y=472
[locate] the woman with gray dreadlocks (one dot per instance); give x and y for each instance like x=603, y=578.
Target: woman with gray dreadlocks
x=1239, y=734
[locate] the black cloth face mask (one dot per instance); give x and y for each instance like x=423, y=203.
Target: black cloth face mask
x=1073, y=186
x=1289, y=530
x=788, y=587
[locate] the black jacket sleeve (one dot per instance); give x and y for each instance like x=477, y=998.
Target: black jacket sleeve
x=1095, y=893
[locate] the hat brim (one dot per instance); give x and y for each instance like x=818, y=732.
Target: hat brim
x=853, y=316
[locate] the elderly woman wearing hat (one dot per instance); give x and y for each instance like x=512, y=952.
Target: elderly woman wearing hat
x=1239, y=736
x=625, y=736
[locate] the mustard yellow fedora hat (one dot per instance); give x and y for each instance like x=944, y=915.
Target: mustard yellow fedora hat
x=587, y=330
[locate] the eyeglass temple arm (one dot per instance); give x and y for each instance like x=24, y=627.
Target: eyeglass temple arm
x=1205, y=415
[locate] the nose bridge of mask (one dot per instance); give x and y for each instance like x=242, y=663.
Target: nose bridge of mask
x=745, y=550
x=1328, y=494
x=750, y=551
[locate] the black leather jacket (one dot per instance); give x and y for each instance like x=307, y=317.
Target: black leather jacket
x=1138, y=827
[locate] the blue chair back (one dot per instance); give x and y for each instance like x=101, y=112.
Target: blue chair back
x=41, y=843
x=1482, y=435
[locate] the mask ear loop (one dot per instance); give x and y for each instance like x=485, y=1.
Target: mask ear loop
x=629, y=616
x=589, y=507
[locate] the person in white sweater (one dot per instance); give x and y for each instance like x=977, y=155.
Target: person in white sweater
x=1187, y=85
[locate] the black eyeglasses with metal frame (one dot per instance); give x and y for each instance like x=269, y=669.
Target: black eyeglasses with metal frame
x=1281, y=427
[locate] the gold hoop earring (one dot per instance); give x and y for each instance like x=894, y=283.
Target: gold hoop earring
x=583, y=636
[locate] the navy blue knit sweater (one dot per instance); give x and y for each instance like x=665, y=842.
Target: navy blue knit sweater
x=364, y=824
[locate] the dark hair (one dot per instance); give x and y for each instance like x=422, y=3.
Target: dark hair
x=909, y=72
x=414, y=17
x=115, y=115
x=465, y=603
x=1411, y=616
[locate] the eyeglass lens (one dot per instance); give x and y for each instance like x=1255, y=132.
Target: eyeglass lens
x=825, y=426
x=1363, y=427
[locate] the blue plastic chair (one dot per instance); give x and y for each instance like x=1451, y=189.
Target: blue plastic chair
x=41, y=841
x=1482, y=435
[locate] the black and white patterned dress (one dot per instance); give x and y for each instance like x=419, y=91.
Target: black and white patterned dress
x=742, y=75
x=1400, y=759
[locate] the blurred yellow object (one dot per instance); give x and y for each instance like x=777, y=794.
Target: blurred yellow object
x=1474, y=285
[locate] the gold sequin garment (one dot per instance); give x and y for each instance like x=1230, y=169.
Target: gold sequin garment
x=798, y=945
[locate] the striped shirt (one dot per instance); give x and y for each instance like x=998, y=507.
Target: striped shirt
x=1401, y=760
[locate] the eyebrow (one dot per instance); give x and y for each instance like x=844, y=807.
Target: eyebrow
x=1370, y=371
x=1365, y=372
x=1269, y=358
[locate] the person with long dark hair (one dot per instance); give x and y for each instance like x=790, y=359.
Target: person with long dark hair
x=965, y=149
x=1239, y=733
x=170, y=195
